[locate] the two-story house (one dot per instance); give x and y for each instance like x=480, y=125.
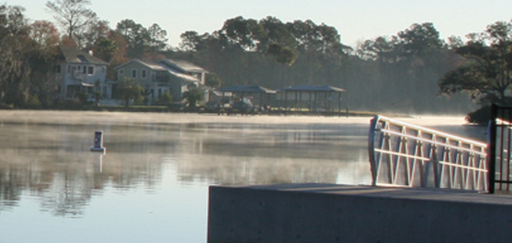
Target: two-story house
x=78, y=71
x=166, y=75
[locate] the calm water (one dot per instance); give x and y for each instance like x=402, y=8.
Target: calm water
x=152, y=184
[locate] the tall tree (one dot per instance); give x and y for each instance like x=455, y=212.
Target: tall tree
x=190, y=41
x=42, y=58
x=284, y=55
x=106, y=49
x=14, y=47
x=135, y=35
x=72, y=15
x=157, y=38
x=45, y=34
x=381, y=49
x=318, y=38
x=243, y=33
x=276, y=33
x=141, y=40
x=94, y=32
x=487, y=72
x=420, y=39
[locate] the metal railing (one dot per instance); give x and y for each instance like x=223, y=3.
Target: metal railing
x=499, y=149
x=406, y=155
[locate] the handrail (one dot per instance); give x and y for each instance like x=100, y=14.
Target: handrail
x=406, y=155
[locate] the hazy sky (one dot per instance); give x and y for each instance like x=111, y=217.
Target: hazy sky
x=355, y=20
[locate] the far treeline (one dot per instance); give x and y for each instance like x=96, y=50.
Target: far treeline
x=413, y=71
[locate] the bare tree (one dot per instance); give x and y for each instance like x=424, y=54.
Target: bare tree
x=73, y=15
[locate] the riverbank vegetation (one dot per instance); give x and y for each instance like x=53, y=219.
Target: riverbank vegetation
x=413, y=71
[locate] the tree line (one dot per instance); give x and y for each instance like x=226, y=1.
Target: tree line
x=414, y=71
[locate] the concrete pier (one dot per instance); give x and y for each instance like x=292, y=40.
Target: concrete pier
x=341, y=213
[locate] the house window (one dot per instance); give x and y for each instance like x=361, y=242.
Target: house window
x=143, y=73
x=90, y=70
x=58, y=69
x=160, y=76
x=134, y=73
x=121, y=72
x=84, y=69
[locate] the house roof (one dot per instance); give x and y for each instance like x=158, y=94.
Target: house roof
x=312, y=88
x=183, y=66
x=147, y=63
x=158, y=66
x=247, y=89
x=73, y=55
x=183, y=76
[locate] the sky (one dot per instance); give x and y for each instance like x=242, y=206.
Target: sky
x=355, y=20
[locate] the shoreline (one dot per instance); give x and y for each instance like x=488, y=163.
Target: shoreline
x=117, y=117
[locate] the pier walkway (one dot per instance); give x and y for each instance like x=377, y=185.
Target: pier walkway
x=434, y=187
x=341, y=213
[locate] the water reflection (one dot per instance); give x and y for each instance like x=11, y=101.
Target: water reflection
x=52, y=161
x=153, y=162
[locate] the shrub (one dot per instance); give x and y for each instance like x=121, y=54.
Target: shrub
x=33, y=102
x=480, y=116
x=165, y=99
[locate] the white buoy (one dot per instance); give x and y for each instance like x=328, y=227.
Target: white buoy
x=98, y=142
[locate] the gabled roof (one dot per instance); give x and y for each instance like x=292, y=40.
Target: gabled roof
x=147, y=63
x=157, y=66
x=247, y=89
x=184, y=76
x=73, y=55
x=183, y=66
x=312, y=88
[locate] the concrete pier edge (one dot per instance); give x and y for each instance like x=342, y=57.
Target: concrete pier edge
x=342, y=213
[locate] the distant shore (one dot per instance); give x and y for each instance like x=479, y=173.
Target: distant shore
x=116, y=117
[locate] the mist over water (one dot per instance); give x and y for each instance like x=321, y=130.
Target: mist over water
x=152, y=184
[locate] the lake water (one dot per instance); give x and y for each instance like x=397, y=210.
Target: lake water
x=152, y=184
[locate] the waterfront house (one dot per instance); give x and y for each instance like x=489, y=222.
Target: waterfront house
x=157, y=78
x=79, y=71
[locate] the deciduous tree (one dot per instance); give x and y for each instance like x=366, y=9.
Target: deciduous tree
x=128, y=89
x=157, y=38
x=487, y=72
x=243, y=33
x=141, y=40
x=14, y=47
x=72, y=15
x=106, y=49
x=45, y=34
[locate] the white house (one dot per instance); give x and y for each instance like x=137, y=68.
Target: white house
x=78, y=71
x=166, y=75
